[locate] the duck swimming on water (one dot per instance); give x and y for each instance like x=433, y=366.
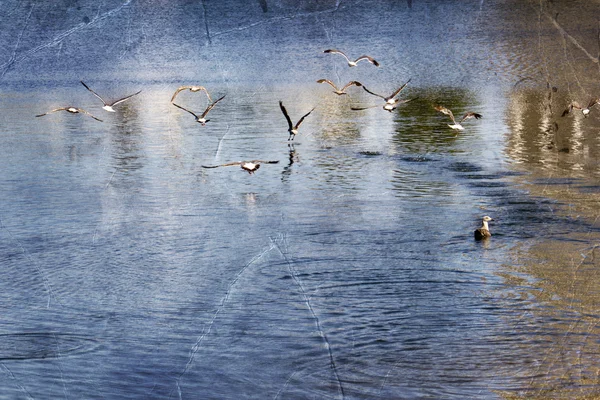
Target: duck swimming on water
x=484, y=231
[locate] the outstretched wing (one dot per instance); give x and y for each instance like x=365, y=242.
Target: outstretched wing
x=94, y=93
x=570, y=108
x=179, y=89
x=264, y=162
x=223, y=165
x=185, y=109
x=446, y=111
x=210, y=107
x=397, y=92
x=329, y=82
x=287, y=117
x=114, y=103
x=369, y=59
x=81, y=110
x=302, y=119
x=51, y=111
x=334, y=51
x=470, y=114
x=363, y=108
x=593, y=102
x=351, y=83
x=374, y=94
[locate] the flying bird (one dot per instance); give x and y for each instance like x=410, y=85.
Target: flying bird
x=585, y=111
x=350, y=62
x=391, y=102
x=191, y=89
x=457, y=125
x=109, y=106
x=202, y=118
x=249, y=166
x=341, y=91
x=484, y=231
x=72, y=110
x=292, y=129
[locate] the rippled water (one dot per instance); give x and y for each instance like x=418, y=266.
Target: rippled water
x=348, y=269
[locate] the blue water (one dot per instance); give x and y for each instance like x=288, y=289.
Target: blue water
x=347, y=270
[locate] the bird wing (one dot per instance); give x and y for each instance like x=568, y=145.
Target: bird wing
x=593, y=102
x=470, y=114
x=264, y=162
x=210, y=107
x=81, y=110
x=374, y=94
x=446, y=111
x=287, y=117
x=94, y=93
x=329, y=82
x=51, y=111
x=124, y=98
x=302, y=119
x=570, y=108
x=224, y=165
x=369, y=59
x=185, y=109
x=351, y=83
x=179, y=89
x=397, y=92
x=334, y=51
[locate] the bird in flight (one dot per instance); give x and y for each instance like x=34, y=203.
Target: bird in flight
x=191, y=89
x=391, y=102
x=341, y=91
x=202, y=118
x=72, y=110
x=457, y=125
x=292, y=129
x=585, y=111
x=350, y=62
x=109, y=106
x=249, y=166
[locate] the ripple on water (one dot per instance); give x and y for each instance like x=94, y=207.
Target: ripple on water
x=42, y=345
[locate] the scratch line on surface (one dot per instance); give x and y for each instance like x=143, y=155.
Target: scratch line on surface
x=205, y=15
x=221, y=141
x=13, y=377
x=310, y=308
x=60, y=37
x=13, y=57
x=59, y=363
x=196, y=347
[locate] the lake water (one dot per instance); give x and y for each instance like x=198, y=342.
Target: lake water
x=348, y=270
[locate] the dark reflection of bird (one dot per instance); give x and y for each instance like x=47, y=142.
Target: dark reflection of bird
x=292, y=129
x=350, y=62
x=72, y=110
x=457, y=125
x=191, y=89
x=202, y=118
x=250, y=166
x=109, y=106
x=584, y=110
x=341, y=91
x=391, y=102
x=484, y=231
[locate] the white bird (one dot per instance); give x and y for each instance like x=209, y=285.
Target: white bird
x=249, y=166
x=72, y=110
x=484, y=231
x=191, y=89
x=341, y=91
x=391, y=102
x=109, y=106
x=350, y=62
x=585, y=111
x=292, y=129
x=457, y=125
x=202, y=118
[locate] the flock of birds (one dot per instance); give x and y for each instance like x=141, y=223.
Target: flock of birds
x=391, y=103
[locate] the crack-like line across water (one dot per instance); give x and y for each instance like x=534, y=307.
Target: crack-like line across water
x=34, y=263
x=13, y=57
x=14, y=378
x=205, y=16
x=306, y=298
x=196, y=347
x=60, y=37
